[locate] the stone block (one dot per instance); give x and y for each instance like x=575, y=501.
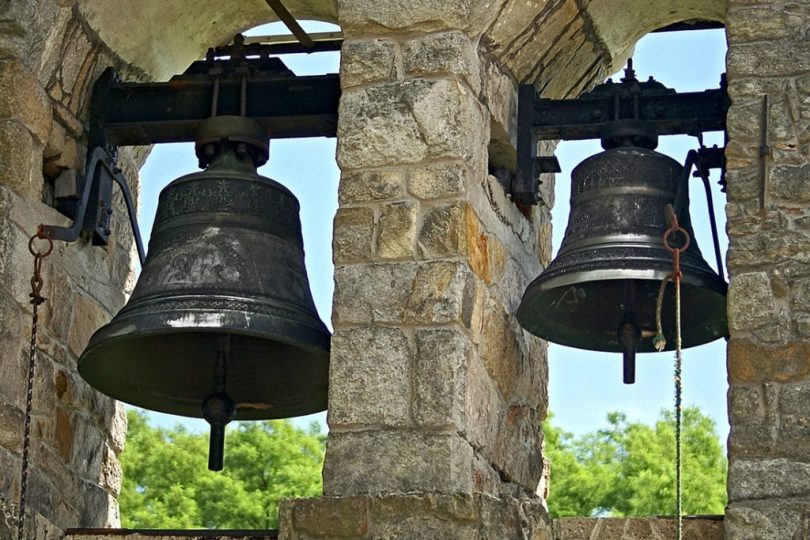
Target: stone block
x=418, y=15
x=24, y=100
x=484, y=410
x=11, y=427
x=440, y=374
x=353, y=238
x=408, y=122
x=794, y=406
x=369, y=377
x=437, y=180
x=21, y=163
x=752, y=441
x=373, y=292
x=110, y=473
x=325, y=517
x=767, y=479
x=443, y=292
x=750, y=302
x=752, y=362
x=757, y=23
x=791, y=183
x=447, y=53
x=768, y=519
x=365, y=61
x=368, y=186
x=414, y=515
x=88, y=316
x=396, y=461
x=768, y=58
x=397, y=230
x=500, y=350
x=746, y=405
x=444, y=230
x=518, y=452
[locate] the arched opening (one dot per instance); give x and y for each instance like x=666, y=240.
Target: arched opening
x=585, y=386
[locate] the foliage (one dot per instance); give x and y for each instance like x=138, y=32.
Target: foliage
x=628, y=468
x=167, y=483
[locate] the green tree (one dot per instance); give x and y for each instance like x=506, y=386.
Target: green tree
x=167, y=483
x=629, y=468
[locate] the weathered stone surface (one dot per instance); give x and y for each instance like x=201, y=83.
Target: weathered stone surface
x=791, y=183
x=396, y=461
x=440, y=378
x=366, y=186
x=373, y=292
x=367, y=61
x=767, y=478
x=408, y=122
x=353, y=239
x=746, y=405
x=751, y=301
x=794, y=405
x=88, y=316
x=24, y=100
x=397, y=230
x=753, y=362
x=444, y=230
x=369, y=380
x=336, y=517
x=450, y=53
x=421, y=15
x=20, y=163
x=778, y=57
x=414, y=515
x=768, y=519
x=500, y=350
x=694, y=528
x=443, y=292
x=437, y=180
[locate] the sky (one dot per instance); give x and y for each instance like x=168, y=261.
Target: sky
x=584, y=386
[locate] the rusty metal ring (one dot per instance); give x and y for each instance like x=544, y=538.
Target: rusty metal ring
x=677, y=229
x=40, y=235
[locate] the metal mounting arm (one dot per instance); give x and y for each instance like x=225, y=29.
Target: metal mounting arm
x=94, y=208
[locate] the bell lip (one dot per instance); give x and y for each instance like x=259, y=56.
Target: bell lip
x=710, y=281
x=314, y=341
x=715, y=286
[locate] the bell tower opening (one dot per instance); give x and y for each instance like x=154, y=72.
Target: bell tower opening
x=586, y=387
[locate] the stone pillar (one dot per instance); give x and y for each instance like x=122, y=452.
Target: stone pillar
x=48, y=66
x=769, y=232
x=435, y=391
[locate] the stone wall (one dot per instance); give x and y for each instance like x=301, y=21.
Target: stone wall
x=769, y=233
x=48, y=63
x=433, y=385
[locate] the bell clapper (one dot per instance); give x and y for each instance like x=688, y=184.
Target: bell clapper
x=218, y=410
x=629, y=335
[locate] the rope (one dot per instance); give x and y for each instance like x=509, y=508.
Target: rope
x=660, y=343
x=36, y=300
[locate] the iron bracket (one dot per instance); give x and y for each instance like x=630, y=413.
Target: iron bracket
x=595, y=114
x=239, y=79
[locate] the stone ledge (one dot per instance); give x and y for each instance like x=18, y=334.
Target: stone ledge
x=167, y=534
x=423, y=516
x=694, y=528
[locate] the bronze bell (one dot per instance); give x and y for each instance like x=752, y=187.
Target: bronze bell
x=221, y=323
x=599, y=293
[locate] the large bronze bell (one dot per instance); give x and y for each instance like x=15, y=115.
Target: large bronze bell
x=221, y=323
x=599, y=293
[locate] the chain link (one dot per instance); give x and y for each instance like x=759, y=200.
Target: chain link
x=36, y=300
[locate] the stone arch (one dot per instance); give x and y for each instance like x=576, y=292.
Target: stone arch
x=564, y=47
x=163, y=38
